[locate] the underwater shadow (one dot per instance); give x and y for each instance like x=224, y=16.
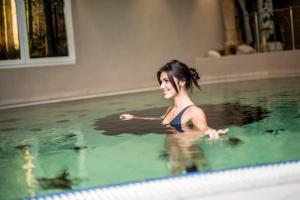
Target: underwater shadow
x=218, y=116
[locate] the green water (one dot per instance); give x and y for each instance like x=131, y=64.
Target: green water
x=54, y=131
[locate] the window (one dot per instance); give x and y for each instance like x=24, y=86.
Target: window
x=36, y=33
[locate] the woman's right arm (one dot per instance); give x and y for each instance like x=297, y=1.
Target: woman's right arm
x=130, y=117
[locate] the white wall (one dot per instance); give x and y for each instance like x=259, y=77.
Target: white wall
x=120, y=44
x=249, y=67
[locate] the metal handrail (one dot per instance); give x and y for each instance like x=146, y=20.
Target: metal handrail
x=275, y=10
x=257, y=30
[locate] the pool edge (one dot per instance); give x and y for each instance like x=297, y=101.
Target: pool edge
x=194, y=185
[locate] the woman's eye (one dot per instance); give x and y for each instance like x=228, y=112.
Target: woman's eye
x=164, y=81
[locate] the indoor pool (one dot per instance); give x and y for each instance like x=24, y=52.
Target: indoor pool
x=81, y=144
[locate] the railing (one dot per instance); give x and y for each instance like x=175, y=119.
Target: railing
x=271, y=31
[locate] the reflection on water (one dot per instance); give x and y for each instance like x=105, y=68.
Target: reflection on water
x=60, y=181
x=184, y=155
x=218, y=116
x=234, y=141
x=28, y=167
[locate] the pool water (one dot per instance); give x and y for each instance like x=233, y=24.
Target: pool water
x=81, y=144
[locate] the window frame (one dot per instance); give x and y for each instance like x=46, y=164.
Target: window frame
x=25, y=60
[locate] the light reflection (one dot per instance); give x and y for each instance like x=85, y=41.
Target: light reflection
x=28, y=167
x=15, y=24
x=9, y=40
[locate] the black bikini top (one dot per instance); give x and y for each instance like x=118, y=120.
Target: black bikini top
x=176, y=122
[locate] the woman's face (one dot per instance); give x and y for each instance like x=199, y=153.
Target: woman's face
x=167, y=87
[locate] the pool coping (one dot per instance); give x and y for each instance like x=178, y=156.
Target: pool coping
x=208, y=80
x=192, y=185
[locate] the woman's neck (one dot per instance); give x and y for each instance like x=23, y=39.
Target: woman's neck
x=182, y=100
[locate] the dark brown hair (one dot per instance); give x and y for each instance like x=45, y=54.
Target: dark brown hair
x=181, y=72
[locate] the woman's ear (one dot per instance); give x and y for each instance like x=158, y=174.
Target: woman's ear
x=182, y=83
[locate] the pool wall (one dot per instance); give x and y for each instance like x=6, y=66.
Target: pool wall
x=212, y=70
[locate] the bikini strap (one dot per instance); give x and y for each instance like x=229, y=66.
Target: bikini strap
x=168, y=112
x=179, y=115
x=183, y=110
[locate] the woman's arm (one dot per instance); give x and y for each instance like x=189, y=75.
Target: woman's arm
x=130, y=117
x=199, y=120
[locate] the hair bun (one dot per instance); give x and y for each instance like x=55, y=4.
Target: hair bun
x=194, y=74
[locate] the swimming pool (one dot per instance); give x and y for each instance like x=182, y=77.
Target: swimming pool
x=81, y=144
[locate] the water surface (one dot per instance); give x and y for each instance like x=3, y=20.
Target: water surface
x=80, y=144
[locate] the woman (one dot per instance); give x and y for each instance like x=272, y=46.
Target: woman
x=175, y=79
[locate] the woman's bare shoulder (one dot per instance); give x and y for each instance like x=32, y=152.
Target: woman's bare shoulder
x=196, y=109
x=197, y=116
x=197, y=112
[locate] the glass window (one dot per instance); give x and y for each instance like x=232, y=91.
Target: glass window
x=46, y=28
x=36, y=33
x=9, y=38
